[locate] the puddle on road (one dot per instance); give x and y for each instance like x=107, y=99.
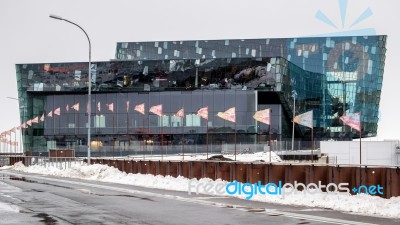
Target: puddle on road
x=21, y=179
x=46, y=219
x=122, y=195
x=256, y=210
x=133, y=196
x=36, y=182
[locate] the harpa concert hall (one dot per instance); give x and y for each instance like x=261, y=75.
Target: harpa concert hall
x=151, y=93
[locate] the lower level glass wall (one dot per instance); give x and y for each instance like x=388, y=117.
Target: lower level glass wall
x=129, y=122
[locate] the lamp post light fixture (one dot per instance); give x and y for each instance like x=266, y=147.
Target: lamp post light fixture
x=13, y=98
x=294, y=94
x=89, y=110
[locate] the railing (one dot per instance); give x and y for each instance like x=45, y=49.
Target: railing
x=57, y=162
x=136, y=148
x=4, y=161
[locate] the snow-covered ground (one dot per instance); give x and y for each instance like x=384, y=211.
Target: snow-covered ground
x=7, y=208
x=361, y=203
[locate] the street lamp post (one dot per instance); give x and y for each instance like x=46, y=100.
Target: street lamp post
x=294, y=94
x=23, y=108
x=89, y=110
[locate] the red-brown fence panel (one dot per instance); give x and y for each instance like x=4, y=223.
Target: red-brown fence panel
x=319, y=174
x=109, y=162
x=184, y=169
x=392, y=186
x=240, y=172
x=27, y=161
x=223, y=171
x=373, y=179
x=144, y=167
x=13, y=160
x=350, y=175
x=256, y=173
x=173, y=169
x=210, y=170
x=298, y=173
x=163, y=167
x=135, y=166
x=127, y=166
x=114, y=163
x=276, y=173
x=153, y=168
x=197, y=169
x=120, y=165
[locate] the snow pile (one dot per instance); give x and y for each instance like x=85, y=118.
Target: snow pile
x=362, y=203
x=257, y=156
x=5, y=167
x=7, y=208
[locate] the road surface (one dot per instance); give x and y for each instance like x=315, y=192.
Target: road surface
x=37, y=199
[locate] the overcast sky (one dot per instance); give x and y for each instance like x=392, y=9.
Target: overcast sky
x=28, y=35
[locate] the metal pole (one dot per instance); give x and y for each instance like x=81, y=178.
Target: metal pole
x=183, y=138
x=360, y=137
x=235, y=140
x=162, y=138
x=207, y=139
x=15, y=139
x=89, y=107
x=89, y=111
x=312, y=145
x=269, y=133
x=113, y=148
x=114, y=138
x=143, y=141
x=7, y=144
x=20, y=139
x=294, y=114
x=270, y=144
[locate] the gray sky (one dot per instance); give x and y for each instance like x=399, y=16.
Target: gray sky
x=28, y=35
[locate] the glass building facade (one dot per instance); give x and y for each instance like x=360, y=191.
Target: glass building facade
x=332, y=76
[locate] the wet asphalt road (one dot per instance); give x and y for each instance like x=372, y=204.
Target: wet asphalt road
x=37, y=199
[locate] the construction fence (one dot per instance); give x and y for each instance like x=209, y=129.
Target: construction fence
x=356, y=176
